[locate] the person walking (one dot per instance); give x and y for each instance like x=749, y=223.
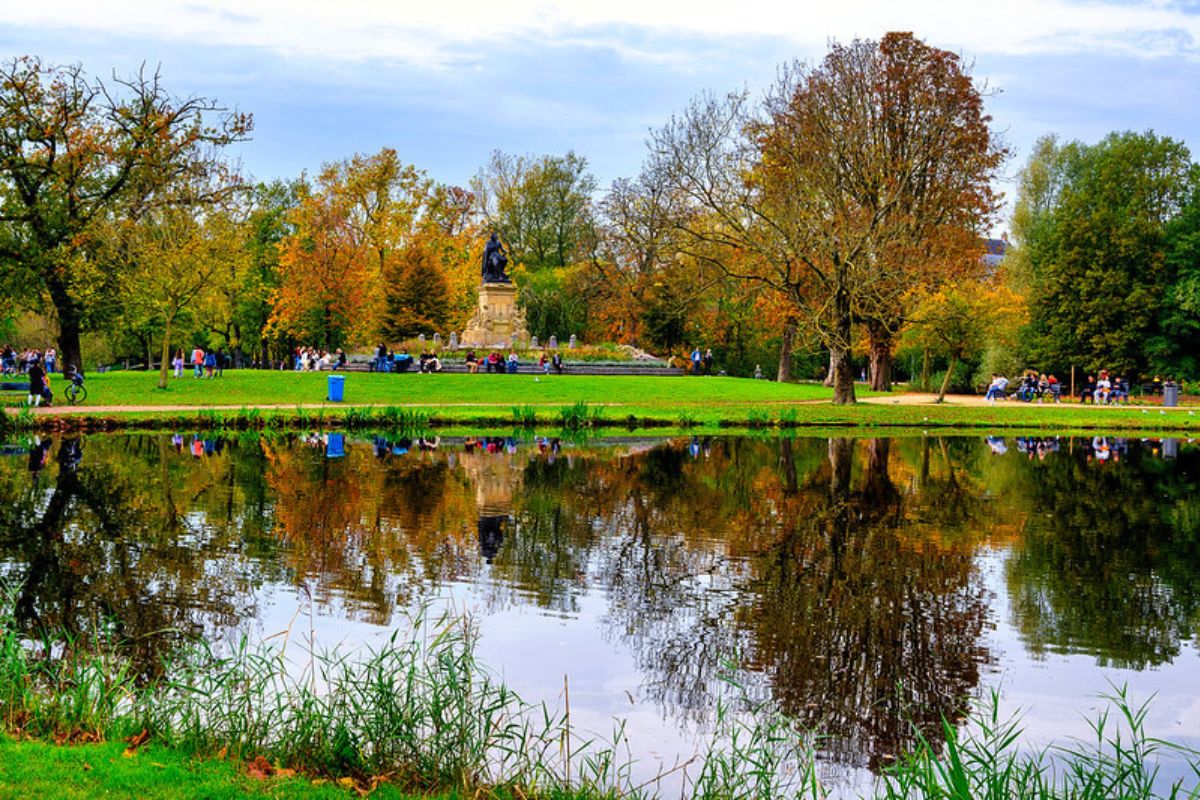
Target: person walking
x=708, y=361
x=198, y=362
x=697, y=359
x=177, y=363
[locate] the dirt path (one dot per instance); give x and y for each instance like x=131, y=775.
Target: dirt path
x=977, y=401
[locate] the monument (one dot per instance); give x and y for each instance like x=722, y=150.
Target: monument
x=498, y=320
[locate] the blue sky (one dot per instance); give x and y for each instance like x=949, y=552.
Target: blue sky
x=447, y=81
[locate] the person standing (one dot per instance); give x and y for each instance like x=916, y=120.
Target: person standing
x=177, y=363
x=37, y=383
x=50, y=359
x=197, y=362
x=696, y=361
x=708, y=361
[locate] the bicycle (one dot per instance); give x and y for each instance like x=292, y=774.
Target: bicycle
x=76, y=392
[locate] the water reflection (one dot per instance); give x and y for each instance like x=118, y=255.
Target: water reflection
x=842, y=578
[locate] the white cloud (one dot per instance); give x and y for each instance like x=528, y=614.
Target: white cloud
x=435, y=32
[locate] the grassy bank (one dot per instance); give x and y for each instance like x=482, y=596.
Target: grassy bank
x=261, y=400
x=419, y=716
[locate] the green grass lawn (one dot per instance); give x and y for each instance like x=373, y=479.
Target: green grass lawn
x=688, y=402
x=252, y=387
x=38, y=769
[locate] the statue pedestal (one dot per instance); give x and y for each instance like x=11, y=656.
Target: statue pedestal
x=497, y=319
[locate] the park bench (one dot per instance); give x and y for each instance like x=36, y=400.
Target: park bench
x=531, y=368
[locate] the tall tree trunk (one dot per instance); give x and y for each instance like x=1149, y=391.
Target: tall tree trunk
x=70, y=326
x=835, y=359
x=166, y=356
x=881, y=357
x=946, y=380
x=785, y=352
x=840, y=367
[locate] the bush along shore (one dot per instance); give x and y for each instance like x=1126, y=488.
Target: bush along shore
x=420, y=716
x=582, y=415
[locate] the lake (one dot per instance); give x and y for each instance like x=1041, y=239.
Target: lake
x=866, y=587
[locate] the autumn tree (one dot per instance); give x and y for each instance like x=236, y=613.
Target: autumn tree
x=418, y=297
x=324, y=287
x=75, y=151
x=846, y=166
x=956, y=320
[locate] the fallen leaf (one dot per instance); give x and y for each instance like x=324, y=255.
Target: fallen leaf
x=87, y=767
x=284, y=772
x=224, y=751
x=345, y=782
x=259, y=768
x=139, y=740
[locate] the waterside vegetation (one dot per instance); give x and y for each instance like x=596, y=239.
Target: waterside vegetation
x=420, y=715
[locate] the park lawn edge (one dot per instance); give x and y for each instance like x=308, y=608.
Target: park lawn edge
x=35, y=768
x=808, y=417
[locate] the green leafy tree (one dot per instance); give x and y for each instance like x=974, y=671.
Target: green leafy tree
x=1092, y=223
x=76, y=152
x=540, y=207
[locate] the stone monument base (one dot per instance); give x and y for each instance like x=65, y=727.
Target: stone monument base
x=497, y=319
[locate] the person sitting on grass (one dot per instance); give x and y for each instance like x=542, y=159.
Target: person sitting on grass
x=472, y=362
x=995, y=390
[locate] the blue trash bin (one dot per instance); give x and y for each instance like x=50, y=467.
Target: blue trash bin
x=335, y=446
x=337, y=386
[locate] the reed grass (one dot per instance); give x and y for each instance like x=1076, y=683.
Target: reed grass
x=421, y=712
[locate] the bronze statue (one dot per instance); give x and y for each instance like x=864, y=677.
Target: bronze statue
x=494, y=261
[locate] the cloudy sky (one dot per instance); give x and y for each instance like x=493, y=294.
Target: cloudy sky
x=447, y=81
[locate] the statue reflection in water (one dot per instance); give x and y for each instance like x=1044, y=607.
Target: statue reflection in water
x=491, y=535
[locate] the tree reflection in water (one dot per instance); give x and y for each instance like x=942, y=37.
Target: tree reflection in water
x=840, y=576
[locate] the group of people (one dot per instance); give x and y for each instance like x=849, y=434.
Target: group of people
x=312, y=359
x=702, y=364
x=1105, y=391
x=1033, y=386
x=204, y=363
x=497, y=362
x=18, y=363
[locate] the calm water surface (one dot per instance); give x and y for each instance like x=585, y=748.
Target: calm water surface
x=859, y=584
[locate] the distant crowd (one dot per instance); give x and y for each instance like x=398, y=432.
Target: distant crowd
x=15, y=362
x=388, y=360
x=1102, y=390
